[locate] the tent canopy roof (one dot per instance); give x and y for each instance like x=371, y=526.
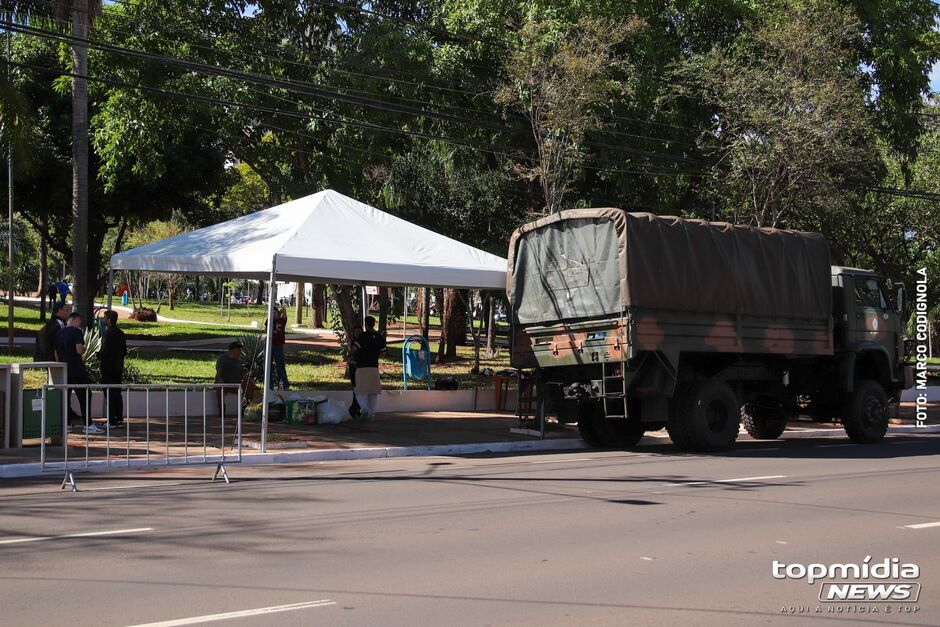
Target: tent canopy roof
x=322, y=238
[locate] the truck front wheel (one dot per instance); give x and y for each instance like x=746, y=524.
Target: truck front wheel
x=866, y=413
x=708, y=418
x=763, y=423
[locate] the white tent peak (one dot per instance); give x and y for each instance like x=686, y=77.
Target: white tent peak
x=325, y=237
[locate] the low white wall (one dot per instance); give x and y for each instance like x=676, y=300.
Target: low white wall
x=389, y=401
x=932, y=392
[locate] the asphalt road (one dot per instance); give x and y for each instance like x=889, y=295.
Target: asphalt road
x=596, y=538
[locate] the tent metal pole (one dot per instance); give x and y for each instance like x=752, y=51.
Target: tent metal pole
x=268, y=339
x=404, y=317
x=110, y=287
x=363, y=306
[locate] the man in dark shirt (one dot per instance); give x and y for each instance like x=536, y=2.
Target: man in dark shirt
x=228, y=369
x=70, y=346
x=46, y=337
x=112, y=354
x=365, y=353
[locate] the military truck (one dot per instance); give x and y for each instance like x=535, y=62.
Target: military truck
x=635, y=322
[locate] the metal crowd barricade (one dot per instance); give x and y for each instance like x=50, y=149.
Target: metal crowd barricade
x=118, y=446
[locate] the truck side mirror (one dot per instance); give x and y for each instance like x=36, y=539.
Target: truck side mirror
x=901, y=302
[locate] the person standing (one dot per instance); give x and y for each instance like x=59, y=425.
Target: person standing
x=365, y=353
x=228, y=369
x=46, y=337
x=63, y=288
x=70, y=346
x=112, y=354
x=50, y=294
x=278, y=339
x=354, y=410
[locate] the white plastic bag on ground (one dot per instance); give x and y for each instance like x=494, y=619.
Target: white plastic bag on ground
x=332, y=412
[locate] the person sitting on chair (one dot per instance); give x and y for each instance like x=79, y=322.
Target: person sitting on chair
x=228, y=369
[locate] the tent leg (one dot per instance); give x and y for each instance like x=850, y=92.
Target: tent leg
x=267, y=359
x=363, y=306
x=110, y=287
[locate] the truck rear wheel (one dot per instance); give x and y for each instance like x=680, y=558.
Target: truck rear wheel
x=708, y=418
x=601, y=432
x=762, y=423
x=866, y=413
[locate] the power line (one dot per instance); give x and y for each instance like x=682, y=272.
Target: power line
x=307, y=88
x=307, y=117
x=611, y=116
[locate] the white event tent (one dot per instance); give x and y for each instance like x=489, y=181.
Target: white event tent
x=322, y=238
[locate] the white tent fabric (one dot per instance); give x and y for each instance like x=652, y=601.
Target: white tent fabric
x=322, y=238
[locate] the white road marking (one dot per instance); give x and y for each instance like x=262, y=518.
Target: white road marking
x=144, y=485
x=923, y=525
x=780, y=542
x=561, y=461
x=87, y=534
x=229, y=615
x=752, y=478
x=738, y=480
x=647, y=559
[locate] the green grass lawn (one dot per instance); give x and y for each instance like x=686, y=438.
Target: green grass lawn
x=209, y=312
x=26, y=323
x=319, y=368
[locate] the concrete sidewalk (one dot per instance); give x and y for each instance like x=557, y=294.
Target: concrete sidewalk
x=412, y=433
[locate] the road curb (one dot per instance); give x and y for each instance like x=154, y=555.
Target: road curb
x=810, y=432
x=11, y=471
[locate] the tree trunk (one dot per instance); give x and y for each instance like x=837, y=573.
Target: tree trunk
x=490, y=326
x=299, y=304
x=171, y=301
x=81, y=290
x=425, y=316
x=383, y=309
x=318, y=297
x=442, y=313
x=458, y=318
x=43, y=272
x=346, y=296
x=420, y=308
x=453, y=323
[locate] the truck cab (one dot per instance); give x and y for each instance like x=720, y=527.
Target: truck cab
x=868, y=330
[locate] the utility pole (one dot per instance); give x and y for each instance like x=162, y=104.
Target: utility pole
x=10, y=280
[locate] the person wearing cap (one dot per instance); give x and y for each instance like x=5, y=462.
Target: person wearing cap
x=46, y=337
x=228, y=369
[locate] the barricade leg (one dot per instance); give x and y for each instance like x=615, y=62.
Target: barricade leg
x=220, y=471
x=69, y=480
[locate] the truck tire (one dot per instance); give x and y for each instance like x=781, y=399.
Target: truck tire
x=866, y=413
x=708, y=418
x=586, y=429
x=762, y=423
x=600, y=432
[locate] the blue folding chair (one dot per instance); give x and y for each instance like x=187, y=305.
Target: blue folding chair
x=416, y=360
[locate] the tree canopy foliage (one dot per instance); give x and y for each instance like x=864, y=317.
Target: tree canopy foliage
x=797, y=114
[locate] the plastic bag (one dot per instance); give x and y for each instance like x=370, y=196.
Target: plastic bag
x=332, y=412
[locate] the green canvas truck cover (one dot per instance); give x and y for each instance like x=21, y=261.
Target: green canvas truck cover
x=587, y=263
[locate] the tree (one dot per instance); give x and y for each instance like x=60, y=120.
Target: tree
x=152, y=232
x=558, y=75
x=792, y=137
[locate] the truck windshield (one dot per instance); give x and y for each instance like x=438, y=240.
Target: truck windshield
x=868, y=294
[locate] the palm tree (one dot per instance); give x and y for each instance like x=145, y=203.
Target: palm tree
x=82, y=291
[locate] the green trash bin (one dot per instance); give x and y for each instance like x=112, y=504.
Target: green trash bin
x=32, y=414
